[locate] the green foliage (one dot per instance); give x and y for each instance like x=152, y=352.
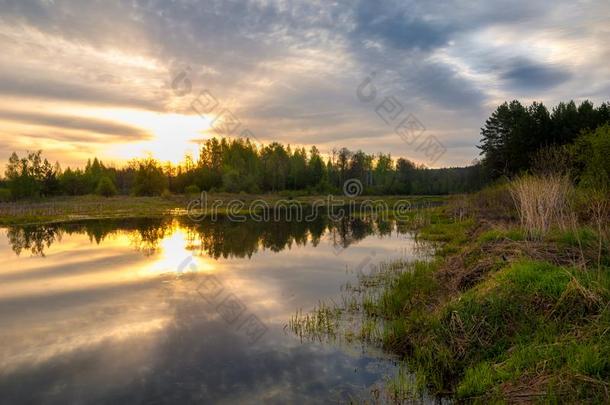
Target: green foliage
x=193, y=189
x=410, y=291
x=105, y=187
x=592, y=155
x=150, y=179
x=237, y=165
x=514, y=234
x=513, y=134
x=31, y=176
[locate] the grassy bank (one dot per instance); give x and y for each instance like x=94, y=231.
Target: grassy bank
x=65, y=209
x=513, y=306
x=503, y=313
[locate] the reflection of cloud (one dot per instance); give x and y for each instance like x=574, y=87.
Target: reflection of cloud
x=89, y=317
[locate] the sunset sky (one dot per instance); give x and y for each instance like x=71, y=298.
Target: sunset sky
x=94, y=78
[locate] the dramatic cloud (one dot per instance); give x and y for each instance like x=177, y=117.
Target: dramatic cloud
x=523, y=74
x=288, y=70
x=112, y=129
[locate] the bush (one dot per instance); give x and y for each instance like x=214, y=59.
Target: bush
x=150, y=179
x=591, y=153
x=192, y=189
x=542, y=202
x=105, y=187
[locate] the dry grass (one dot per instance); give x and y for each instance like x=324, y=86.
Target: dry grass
x=542, y=202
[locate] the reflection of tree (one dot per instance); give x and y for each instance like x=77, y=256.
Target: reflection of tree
x=33, y=238
x=219, y=238
x=145, y=233
x=347, y=230
x=224, y=238
x=148, y=232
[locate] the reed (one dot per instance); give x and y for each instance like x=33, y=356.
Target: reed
x=542, y=202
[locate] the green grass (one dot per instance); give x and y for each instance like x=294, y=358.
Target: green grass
x=582, y=236
x=527, y=326
x=410, y=290
x=529, y=316
x=450, y=233
x=493, y=235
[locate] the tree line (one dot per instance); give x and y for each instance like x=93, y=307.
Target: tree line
x=570, y=138
x=514, y=139
x=237, y=165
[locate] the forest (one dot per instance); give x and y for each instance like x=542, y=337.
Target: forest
x=573, y=139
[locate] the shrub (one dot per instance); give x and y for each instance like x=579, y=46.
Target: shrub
x=105, y=187
x=591, y=153
x=542, y=202
x=192, y=189
x=150, y=179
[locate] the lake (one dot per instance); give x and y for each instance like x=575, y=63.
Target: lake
x=170, y=311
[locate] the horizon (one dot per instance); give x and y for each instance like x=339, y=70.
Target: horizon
x=120, y=81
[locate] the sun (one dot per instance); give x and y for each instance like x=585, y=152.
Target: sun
x=172, y=135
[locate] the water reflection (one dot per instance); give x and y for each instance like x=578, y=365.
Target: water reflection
x=95, y=312
x=220, y=238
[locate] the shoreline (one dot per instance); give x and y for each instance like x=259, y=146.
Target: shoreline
x=89, y=207
x=493, y=308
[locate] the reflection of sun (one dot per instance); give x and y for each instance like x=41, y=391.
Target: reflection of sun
x=173, y=256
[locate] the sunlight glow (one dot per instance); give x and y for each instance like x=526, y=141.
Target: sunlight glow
x=174, y=257
x=172, y=135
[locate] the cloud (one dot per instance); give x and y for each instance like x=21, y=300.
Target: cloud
x=117, y=132
x=50, y=89
x=289, y=69
x=399, y=29
x=524, y=74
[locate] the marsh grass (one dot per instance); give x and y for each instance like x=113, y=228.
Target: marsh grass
x=542, y=202
x=321, y=324
x=533, y=325
x=503, y=312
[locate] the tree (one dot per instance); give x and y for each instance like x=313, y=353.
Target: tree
x=106, y=187
x=591, y=151
x=150, y=179
x=315, y=168
x=513, y=134
x=31, y=176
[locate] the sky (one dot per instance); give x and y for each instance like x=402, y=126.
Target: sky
x=123, y=79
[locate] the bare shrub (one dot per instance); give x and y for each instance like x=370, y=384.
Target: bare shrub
x=552, y=160
x=542, y=202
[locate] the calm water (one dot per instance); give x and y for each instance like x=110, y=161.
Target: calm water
x=162, y=311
